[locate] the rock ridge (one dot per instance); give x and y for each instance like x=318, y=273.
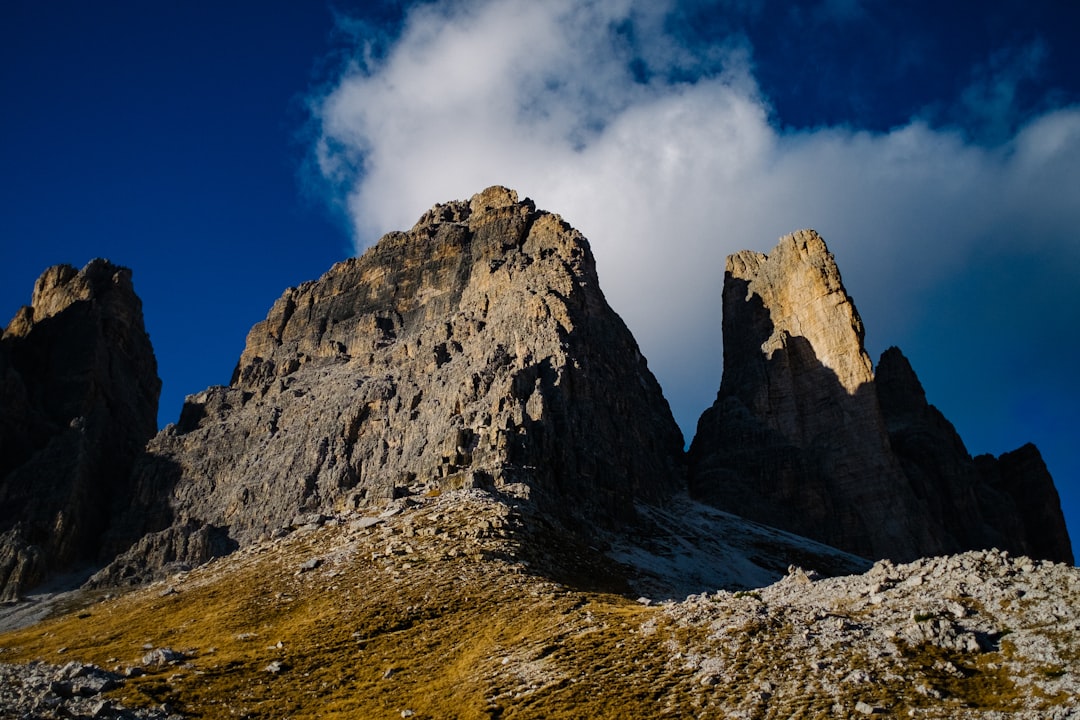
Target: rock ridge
x=474, y=350
x=805, y=435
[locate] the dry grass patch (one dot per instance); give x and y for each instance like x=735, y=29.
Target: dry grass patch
x=363, y=636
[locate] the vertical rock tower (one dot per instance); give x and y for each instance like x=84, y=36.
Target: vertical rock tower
x=795, y=438
x=805, y=437
x=78, y=401
x=476, y=349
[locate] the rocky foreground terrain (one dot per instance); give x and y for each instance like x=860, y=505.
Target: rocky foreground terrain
x=462, y=605
x=443, y=483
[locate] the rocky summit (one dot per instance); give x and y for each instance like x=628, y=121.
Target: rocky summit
x=804, y=436
x=474, y=350
x=443, y=483
x=78, y=401
x=1008, y=502
x=796, y=437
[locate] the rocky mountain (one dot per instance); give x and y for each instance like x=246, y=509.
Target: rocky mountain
x=78, y=401
x=443, y=483
x=1008, y=502
x=1030, y=510
x=474, y=350
x=805, y=436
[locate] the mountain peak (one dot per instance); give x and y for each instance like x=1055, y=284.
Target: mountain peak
x=475, y=350
x=80, y=390
x=805, y=437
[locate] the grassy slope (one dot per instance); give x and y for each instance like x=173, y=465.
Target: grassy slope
x=460, y=634
x=435, y=612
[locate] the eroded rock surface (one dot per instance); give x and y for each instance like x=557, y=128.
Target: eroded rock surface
x=1008, y=502
x=79, y=390
x=805, y=436
x=476, y=349
x=976, y=635
x=795, y=438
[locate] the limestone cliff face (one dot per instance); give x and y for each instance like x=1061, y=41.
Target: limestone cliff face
x=1030, y=512
x=804, y=435
x=1009, y=502
x=935, y=459
x=79, y=390
x=796, y=437
x=476, y=349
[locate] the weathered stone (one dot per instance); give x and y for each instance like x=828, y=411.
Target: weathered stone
x=310, y=564
x=795, y=438
x=474, y=350
x=79, y=391
x=162, y=656
x=1008, y=503
x=39, y=690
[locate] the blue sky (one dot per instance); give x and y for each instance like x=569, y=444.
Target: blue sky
x=226, y=151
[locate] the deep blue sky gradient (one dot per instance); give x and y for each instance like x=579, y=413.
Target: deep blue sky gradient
x=172, y=137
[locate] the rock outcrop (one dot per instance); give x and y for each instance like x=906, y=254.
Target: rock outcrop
x=805, y=437
x=79, y=390
x=795, y=438
x=1030, y=514
x=476, y=349
x=1009, y=502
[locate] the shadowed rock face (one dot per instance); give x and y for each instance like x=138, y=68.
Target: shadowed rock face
x=1009, y=502
x=934, y=457
x=1031, y=509
x=795, y=438
x=79, y=390
x=804, y=437
x=475, y=349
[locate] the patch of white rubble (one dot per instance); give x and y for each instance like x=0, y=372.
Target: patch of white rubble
x=849, y=637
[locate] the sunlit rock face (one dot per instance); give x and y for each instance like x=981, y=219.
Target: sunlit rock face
x=475, y=349
x=795, y=438
x=78, y=401
x=805, y=437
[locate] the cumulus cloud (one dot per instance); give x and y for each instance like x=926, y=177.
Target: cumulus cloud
x=669, y=159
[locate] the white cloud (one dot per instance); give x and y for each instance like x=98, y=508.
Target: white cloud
x=666, y=178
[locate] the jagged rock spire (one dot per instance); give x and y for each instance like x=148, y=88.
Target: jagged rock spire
x=804, y=437
x=79, y=389
x=474, y=349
